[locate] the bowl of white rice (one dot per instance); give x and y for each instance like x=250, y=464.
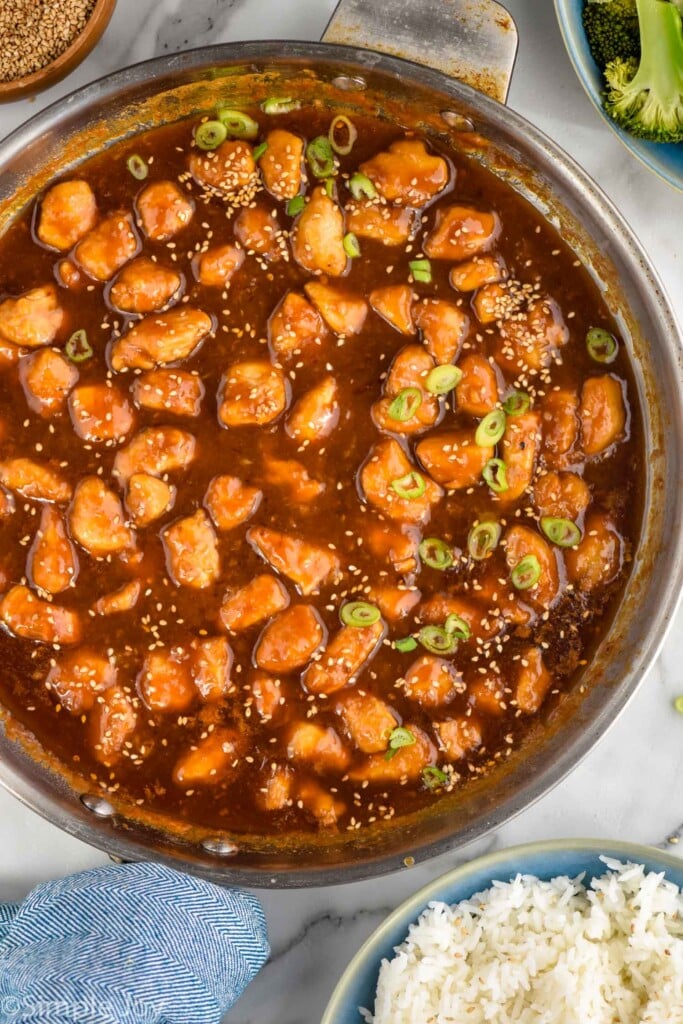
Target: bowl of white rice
x=560, y=932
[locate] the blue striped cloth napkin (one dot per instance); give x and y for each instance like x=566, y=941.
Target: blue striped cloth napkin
x=128, y=944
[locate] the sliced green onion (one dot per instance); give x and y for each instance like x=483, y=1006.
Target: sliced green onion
x=78, y=347
x=342, y=123
x=320, y=157
x=442, y=379
x=490, y=429
x=210, y=134
x=602, y=346
x=438, y=640
x=237, y=124
x=562, y=532
x=517, y=403
x=526, y=573
x=260, y=150
x=137, y=167
x=360, y=186
x=359, y=614
x=421, y=270
x=678, y=705
x=456, y=626
x=436, y=553
x=329, y=188
x=410, y=486
x=351, y=246
x=295, y=206
x=405, y=405
x=483, y=539
x=495, y=475
x=405, y=644
x=433, y=777
x=279, y=105
x=398, y=738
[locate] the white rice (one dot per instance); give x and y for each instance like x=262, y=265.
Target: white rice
x=537, y=952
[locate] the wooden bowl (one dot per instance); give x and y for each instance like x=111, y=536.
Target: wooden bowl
x=67, y=61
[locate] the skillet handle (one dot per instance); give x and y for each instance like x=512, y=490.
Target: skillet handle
x=472, y=40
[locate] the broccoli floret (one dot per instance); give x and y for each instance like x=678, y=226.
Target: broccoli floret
x=646, y=98
x=611, y=28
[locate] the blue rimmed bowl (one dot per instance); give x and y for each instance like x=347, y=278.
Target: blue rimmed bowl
x=666, y=160
x=544, y=860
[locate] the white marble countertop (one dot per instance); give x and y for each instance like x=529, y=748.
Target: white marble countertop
x=629, y=787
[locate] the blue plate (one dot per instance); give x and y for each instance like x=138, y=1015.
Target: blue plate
x=545, y=860
x=666, y=160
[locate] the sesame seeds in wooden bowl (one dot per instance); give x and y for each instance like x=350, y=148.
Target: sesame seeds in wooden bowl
x=44, y=40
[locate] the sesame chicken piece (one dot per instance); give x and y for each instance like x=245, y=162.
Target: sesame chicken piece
x=519, y=446
x=231, y=502
x=216, y=267
x=36, y=480
x=211, y=662
x=210, y=760
x=522, y=542
x=406, y=763
x=252, y=393
x=294, y=325
x=96, y=518
x=444, y=327
x=191, y=548
x=490, y=303
x=317, y=746
x=461, y=232
x=307, y=565
x=343, y=311
x=408, y=370
x=477, y=272
x=155, y=451
x=494, y=592
x=317, y=237
x=275, y=787
x=121, y=600
x=112, y=721
x=316, y=414
x=487, y=694
x=390, y=225
x=52, y=563
x=477, y=391
x=177, y=392
x=533, y=680
x=530, y=340
x=268, y=696
x=148, y=498
x=144, y=286
x=257, y=230
x=7, y=505
x=566, y=495
x=394, y=304
x=602, y=413
x=322, y=805
x=458, y=736
x=163, y=210
x=32, y=319
x=162, y=338
x=559, y=424
x=281, y=164
x=394, y=602
x=69, y=276
x=290, y=640
x=230, y=169
x=100, y=413
x=67, y=212
x=293, y=478
x=388, y=465
x=165, y=681
x=259, y=599
x=407, y=173
x=453, y=458
x=344, y=658
x=32, y=618
x=598, y=558
x=368, y=720
x=108, y=246
x=482, y=623
x=77, y=677
x=432, y=681
x=395, y=543
x=46, y=377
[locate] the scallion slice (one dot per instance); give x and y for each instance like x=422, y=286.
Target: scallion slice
x=238, y=125
x=526, y=573
x=433, y=777
x=295, y=206
x=457, y=627
x=279, y=105
x=260, y=150
x=410, y=486
x=359, y=614
x=490, y=429
x=442, y=379
x=562, y=532
x=360, y=186
x=517, y=403
x=405, y=405
x=137, y=167
x=320, y=157
x=398, y=738
x=602, y=346
x=438, y=640
x=351, y=246
x=342, y=124
x=483, y=539
x=405, y=644
x=495, y=475
x=436, y=553
x=421, y=271
x=210, y=134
